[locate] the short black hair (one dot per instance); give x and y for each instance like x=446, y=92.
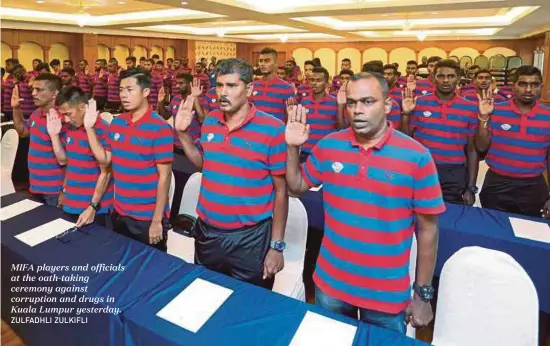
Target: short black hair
x=159, y=62
x=346, y=60
x=155, y=56
x=309, y=62
x=482, y=71
x=447, y=63
x=17, y=67
x=72, y=95
x=131, y=58
x=142, y=58
x=376, y=62
x=373, y=67
x=169, y=59
x=55, y=62
x=69, y=70
x=412, y=62
x=527, y=70
x=36, y=60
x=291, y=61
x=70, y=61
x=188, y=77
x=12, y=61
x=396, y=65
x=473, y=67
x=367, y=75
x=42, y=66
x=269, y=50
x=434, y=59
x=151, y=60
x=239, y=66
x=52, y=81
x=316, y=62
x=143, y=79
x=319, y=69
x=113, y=60
x=84, y=60
x=390, y=66
x=3, y=70
x=350, y=72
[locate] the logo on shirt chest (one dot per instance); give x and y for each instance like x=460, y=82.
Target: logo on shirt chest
x=304, y=94
x=210, y=137
x=254, y=93
x=117, y=136
x=509, y=96
x=506, y=127
x=68, y=140
x=337, y=167
x=424, y=92
x=427, y=114
x=33, y=124
x=213, y=100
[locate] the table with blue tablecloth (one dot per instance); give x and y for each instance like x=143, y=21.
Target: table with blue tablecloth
x=151, y=279
x=462, y=226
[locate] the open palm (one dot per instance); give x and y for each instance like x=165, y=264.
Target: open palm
x=90, y=117
x=15, y=99
x=409, y=101
x=486, y=103
x=53, y=124
x=196, y=89
x=184, y=117
x=297, y=129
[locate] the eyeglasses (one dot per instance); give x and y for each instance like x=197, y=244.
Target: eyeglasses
x=61, y=236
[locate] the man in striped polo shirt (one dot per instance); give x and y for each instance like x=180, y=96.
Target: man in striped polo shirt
x=7, y=87
x=55, y=64
x=25, y=90
x=376, y=183
x=45, y=173
x=99, y=81
x=113, y=83
x=270, y=94
x=200, y=74
x=140, y=147
x=243, y=202
x=212, y=101
x=67, y=76
x=446, y=123
x=156, y=83
x=83, y=78
x=517, y=136
x=325, y=112
x=390, y=73
x=87, y=187
x=425, y=86
x=483, y=82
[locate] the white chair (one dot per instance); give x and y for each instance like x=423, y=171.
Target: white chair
x=171, y=191
x=180, y=245
x=483, y=168
x=485, y=298
x=108, y=117
x=10, y=142
x=289, y=281
x=411, y=331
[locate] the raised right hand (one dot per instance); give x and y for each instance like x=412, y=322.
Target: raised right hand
x=486, y=103
x=411, y=82
x=162, y=95
x=90, y=117
x=53, y=123
x=184, y=117
x=409, y=101
x=341, y=96
x=15, y=99
x=297, y=128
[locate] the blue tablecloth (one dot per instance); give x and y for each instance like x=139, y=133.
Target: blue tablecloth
x=251, y=316
x=462, y=226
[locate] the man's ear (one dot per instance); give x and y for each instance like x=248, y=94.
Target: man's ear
x=146, y=92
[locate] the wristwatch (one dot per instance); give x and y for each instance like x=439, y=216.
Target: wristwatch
x=473, y=189
x=95, y=206
x=426, y=292
x=278, y=245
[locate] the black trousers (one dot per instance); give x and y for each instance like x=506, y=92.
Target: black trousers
x=453, y=180
x=239, y=253
x=100, y=102
x=303, y=156
x=525, y=196
x=138, y=229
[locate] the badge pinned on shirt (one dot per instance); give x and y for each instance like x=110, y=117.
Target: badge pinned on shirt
x=254, y=93
x=337, y=167
x=427, y=114
x=424, y=92
x=209, y=137
x=33, y=123
x=509, y=96
x=304, y=94
x=68, y=140
x=506, y=127
x=213, y=100
x=117, y=136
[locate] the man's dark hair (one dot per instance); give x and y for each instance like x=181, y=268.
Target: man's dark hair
x=55, y=62
x=132, y=59
x=292, y=62
x=239, y=66
x=527, y=70
x=396, y=65
x=269, y=50
x=151, y=60
x=12, y=61
x=113, y=60
x=434, y=59
x=169, y=60
x=3, y=71
x=390, y=66
x=447, y=63
x=412, y=62
x=142, y=59
x=159, y=62
x=186, y=76
x=36, y=60
x=43, y=66
x=155, y=56
x=17, y=67
x=376, y=62
x=69, y=70
x=69, y=61
x=348, y=72
x=322, y=70
x=53, y=82
x=480, y=72
x=373, y=67
x=346, y=60
x=72, y=95
x=473, y=67
x=143, y=79
x=309, y=62
x=85, y=61
x=316, y=62
x=367, y=75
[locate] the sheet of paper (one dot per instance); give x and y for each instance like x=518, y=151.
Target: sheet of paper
x=318, y=330
x=18, y=208
x=316, y=188
x=194, y=306
x=47, y=231
x=538, y=231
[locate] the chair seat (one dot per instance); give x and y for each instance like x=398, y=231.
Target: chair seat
x=289, y=282
x=181, y=246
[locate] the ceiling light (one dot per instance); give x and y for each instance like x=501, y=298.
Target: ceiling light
x=435, y=12
x=121, y=2
x=83, y=19
x=422, y=35
x=220, y=33
x=40, y=1
x=284, y=38
x=184, y=3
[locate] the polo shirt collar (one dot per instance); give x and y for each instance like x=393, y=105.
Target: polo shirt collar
x=128, y=117
x=379, y=145
x=325, y=98
x=246, y=120
x=446, y=103
x=531, y=113
x=271, y=82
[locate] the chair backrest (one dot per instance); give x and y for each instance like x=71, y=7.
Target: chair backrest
x=190, y=196
x=108, y=117
x=485, y=298
x=411, y=332
x=482, y=61
x=465, y=60
x=513, y=62
x=10, y=142
x=6, y=184
x=171, y=191
x=296, y=231
x=497, y=62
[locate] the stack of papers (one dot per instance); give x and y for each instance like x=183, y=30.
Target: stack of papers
x=538, y=231
x=47, y=231
x=318, y=330
x=194, y=306
x=18, y=208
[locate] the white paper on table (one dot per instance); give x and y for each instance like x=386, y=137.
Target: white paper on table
x=316, y=188
x=538, y=231
x=194, y=306
x=318, y=330
x=18, y=208
x=47, y=231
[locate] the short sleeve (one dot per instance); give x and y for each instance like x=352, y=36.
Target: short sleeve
x=312, y=168
x=163, y=149
x=278, y=153
x=102, y=130
x=427, y=196
x=290, y=92
x=203, y=100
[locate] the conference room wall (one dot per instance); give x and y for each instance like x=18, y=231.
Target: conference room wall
x=60, y=51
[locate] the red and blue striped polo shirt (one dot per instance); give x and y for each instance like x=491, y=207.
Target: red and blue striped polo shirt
x=506, y=91
x=7, y=89
x=137, y=147
x=468, y=88
x=174, y=82
x=237, y=176
x=157, y=82
x=336, y=84
x=401, y=81
x=83, y=82
x=45, y=174
x=113, y=88
x=271, y=96
x=83, y=170
x=194, y=129
x=322, y=117
x=303, y=91
x=26, y=103
x=370, y=198
x=395, y=115
x=204, y=81
x=100, y=84
x=444, y=126
x=519, y=142
x=424, y=87
x=212, y=99
x=396, y=93
x=472, y=96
